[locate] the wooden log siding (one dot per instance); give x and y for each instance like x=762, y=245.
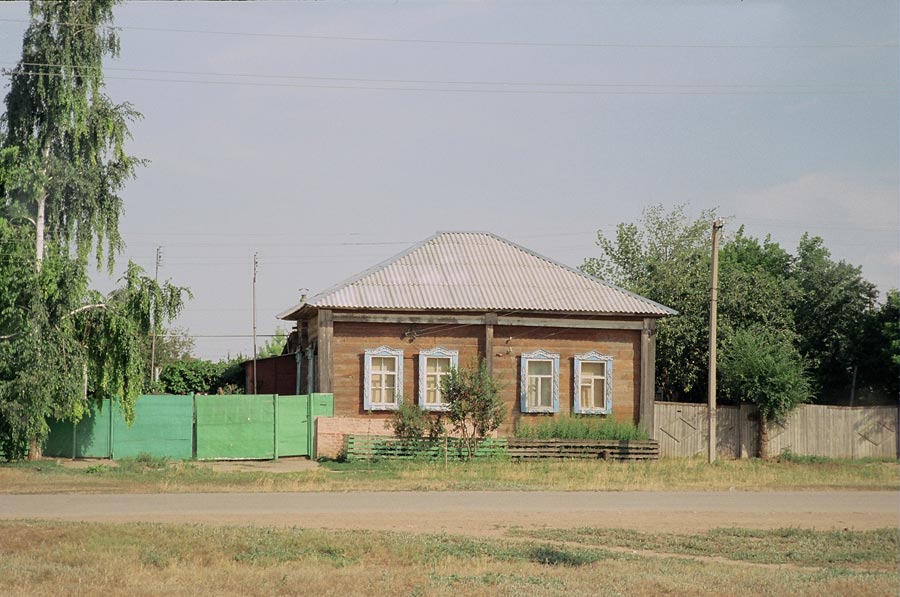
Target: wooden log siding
x=350, y=339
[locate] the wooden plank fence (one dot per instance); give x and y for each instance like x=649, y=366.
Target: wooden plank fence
x=364, y=447
x=592, y=449
x=812, y=429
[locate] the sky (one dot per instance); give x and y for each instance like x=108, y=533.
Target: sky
x=328, y=136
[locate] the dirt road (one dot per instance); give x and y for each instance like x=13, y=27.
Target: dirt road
x=476, y=513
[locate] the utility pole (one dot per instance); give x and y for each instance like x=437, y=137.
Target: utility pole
x=153, y=338
x=713, y=314
x=255, y=269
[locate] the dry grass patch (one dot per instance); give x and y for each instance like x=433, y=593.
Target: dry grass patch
x=496, y=474
x=153, y=559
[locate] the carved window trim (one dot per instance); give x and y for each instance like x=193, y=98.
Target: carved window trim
x=424, y=355
x=538, y=355
x=593, y=357
x=386, y=352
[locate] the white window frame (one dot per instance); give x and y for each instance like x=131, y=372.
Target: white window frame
x=538, y=355
x=593, y=357
x=441, y=353
x=382, y=351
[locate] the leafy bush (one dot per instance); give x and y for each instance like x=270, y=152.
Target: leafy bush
x=763, y=368
x=474, y=406
x=579, y=427
x=409, y=422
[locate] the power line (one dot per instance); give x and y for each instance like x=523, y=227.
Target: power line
x=500, y=43
x=442, y=81
x=459, y=90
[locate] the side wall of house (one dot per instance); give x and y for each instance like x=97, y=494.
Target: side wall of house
x=352, y=339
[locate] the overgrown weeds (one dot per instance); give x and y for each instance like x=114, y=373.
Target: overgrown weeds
x=578, y=427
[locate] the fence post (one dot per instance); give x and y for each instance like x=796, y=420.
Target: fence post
x=275, y=431
x=310, y=426
x=111, y=437
x=74, y=443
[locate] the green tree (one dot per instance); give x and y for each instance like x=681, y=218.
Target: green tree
x=666, y=257
x=274, y=346
x=474, y=406
x=61, y=344
x=831, y=314
x=763, y=368
x=62, y=166
x=67, y=134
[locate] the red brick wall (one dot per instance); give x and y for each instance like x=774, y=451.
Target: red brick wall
x=352, y=339
x=330, y=432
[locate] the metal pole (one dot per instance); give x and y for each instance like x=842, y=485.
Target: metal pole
x=255, y=268
x=713, y=314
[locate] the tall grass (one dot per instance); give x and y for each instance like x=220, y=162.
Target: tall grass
x=576, y=427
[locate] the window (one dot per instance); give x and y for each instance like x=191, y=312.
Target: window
x=539, y=382
x=593, y=384
x=383, y=388
x=434, y=364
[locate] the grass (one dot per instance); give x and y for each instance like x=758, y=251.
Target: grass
x=875, y=549
x=151, y=559
x=575, y=427
x=135, y=476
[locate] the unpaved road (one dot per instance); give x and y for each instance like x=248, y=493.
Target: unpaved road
x=481, y=513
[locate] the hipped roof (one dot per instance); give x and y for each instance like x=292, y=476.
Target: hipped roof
x=477, y=271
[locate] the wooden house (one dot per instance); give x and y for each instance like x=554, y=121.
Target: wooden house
x=558, y=340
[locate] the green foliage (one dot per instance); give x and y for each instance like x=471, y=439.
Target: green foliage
x=831, y=315
x=69, y=136
x=274, y=346
x=474, y=406
x=578, y=427
x=764, y=369
x=198, y=376
x=409, y=422
x=822, y=307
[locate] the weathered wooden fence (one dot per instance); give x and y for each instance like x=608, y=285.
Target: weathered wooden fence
x=358, y=447
x=813, y=430
x=590, y=449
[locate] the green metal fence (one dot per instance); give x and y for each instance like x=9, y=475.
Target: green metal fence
x=204, y=427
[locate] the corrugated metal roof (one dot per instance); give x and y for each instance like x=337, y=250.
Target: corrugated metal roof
x=479, y=271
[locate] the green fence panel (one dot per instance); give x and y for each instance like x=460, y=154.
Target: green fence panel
x=293, y=425
x=92, y=435
x=323, y=405
x=162, y=427
x=235, y=427
x=59, y=440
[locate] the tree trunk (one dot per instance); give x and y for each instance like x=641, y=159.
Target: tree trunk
x=763, y=436
x=39, y=233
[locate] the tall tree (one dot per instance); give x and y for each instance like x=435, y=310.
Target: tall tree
x=666, y=257
x=62, y=166
x=69, y=136
x=831, y=315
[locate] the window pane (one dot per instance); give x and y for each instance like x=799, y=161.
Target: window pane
x=532, y=396
x=376, y=395
x=389, y=382
x=389, y=364
x=376, y=380
x=599, y=394
x=546, y=394
x=595, y=369
x=586, y=397
x=430, y=396
x=540, y=368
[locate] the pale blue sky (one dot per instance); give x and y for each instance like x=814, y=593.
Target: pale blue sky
x=574, y=118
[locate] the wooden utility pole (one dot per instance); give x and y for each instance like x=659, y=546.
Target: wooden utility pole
x=154, y=323
x=713, y=314
x=255, y=268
